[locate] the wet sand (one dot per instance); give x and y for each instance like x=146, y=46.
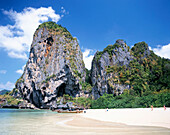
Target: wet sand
x=82, y=125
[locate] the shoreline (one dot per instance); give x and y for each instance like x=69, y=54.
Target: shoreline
x=93, y=126
x=59, y=123
x=129, y=116
x=132, y=116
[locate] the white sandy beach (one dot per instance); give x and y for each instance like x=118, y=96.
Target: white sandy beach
x=137, y=117
x=45, y=122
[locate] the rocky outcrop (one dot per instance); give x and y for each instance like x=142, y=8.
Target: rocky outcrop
x=8, y=101
x=55, y=67
x=141, y=50
x=105, y=65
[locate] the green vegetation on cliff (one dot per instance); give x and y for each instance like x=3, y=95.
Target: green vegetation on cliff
x=58, y=28
x=52, y=25
x=144, y=74
x=78, y=101
x=109, y=49
x=147, y=75
x=8, y=100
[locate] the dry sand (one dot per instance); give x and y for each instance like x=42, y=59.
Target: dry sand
x=121, y=122
x=138, y=117
x=82, y=125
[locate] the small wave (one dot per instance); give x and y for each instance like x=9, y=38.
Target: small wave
x=63, y=121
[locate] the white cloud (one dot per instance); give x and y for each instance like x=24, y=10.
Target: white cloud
x=12, y=54
x=20, y=71
x=8, y=86
x=16, y=39
x=3, y=71
x=163, y=51
x=88, y=57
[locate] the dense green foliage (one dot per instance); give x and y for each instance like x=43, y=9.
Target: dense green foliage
x=148, y=76
x=139, y=49
x=10, y=100
x=78, y=101
x=145, y=73
x=83, y=102
x=52, y=25
x=86, y=87
x=58, y=28
x=157, y=99
x=128, y=101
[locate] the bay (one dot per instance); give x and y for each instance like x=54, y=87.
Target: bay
x=32, y=122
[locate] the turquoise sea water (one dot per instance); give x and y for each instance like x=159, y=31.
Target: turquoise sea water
x=31, y=122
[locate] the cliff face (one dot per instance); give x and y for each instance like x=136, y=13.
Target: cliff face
x=104, y=75
x=55, y=67
x=137, y=71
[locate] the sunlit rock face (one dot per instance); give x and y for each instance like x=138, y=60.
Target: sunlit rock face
x=55, y=67
x=104, y=76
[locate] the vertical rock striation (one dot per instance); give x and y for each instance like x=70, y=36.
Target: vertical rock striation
x=104, y=75
x=55, y=67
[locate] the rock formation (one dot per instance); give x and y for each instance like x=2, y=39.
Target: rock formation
x=137, y=71
x=55, y=67
x=104, y=75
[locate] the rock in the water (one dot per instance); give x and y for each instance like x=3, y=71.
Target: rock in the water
x=55, y=67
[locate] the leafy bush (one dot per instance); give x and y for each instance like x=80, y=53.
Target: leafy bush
x=10, y=100
x=78, y=101
x=129, y=101
x=83, y=102
x=86, y=86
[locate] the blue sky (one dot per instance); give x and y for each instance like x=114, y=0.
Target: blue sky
x=96, y=23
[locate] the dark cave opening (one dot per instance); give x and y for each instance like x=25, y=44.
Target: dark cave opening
x=50, y=41
x=61, y=90
x=44, y=88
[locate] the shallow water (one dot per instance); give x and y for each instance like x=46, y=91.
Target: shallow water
x=45, y=122
x=31, y=122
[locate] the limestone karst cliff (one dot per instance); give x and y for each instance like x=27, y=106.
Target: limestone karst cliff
x=55, y=67
x=129, y=78
x=103, y=79
x=116, y=67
